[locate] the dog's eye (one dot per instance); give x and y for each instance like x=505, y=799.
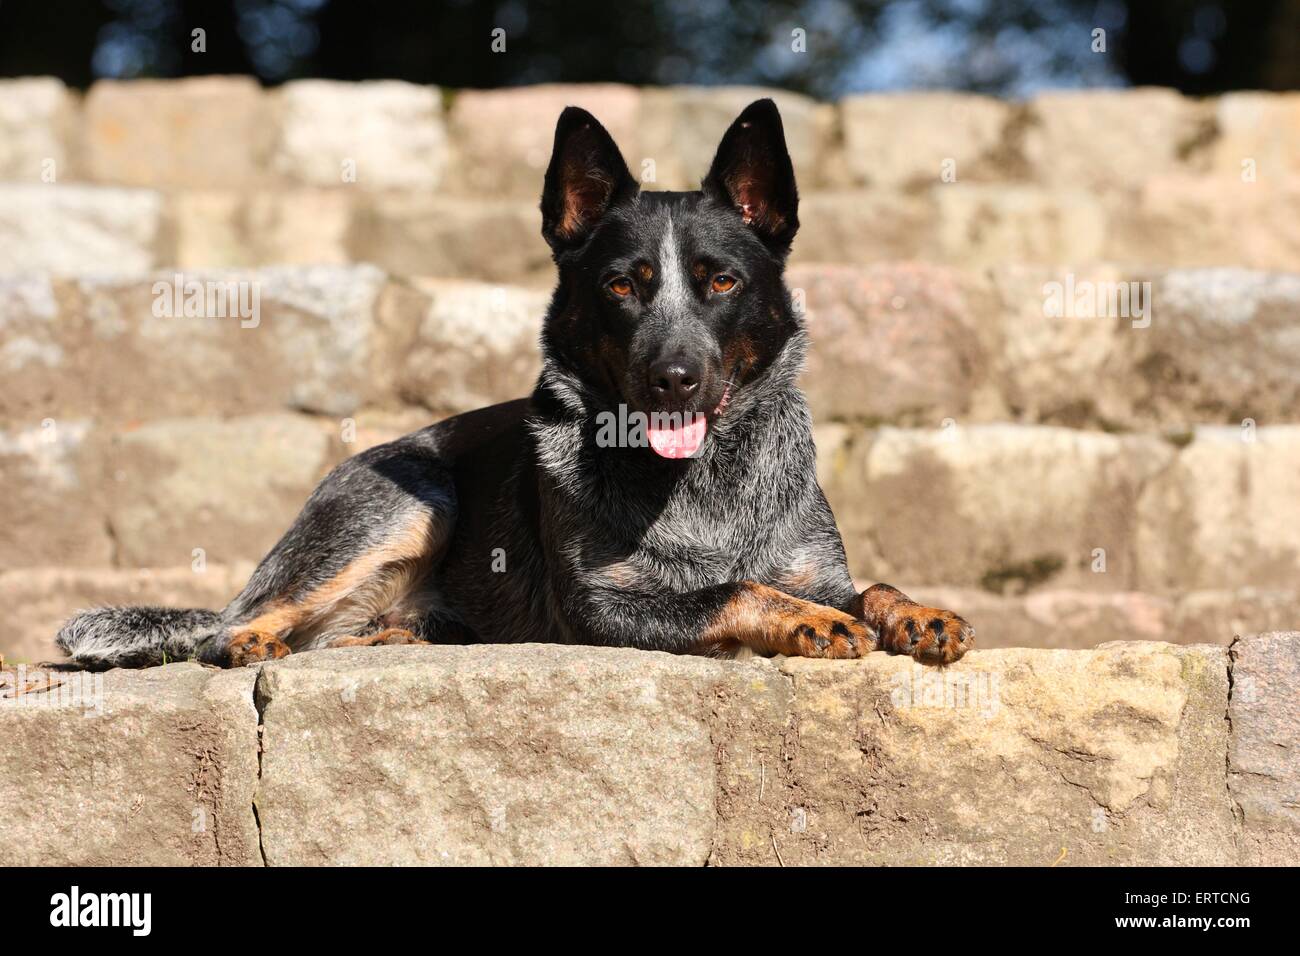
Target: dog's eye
x=621, y=286
x=723, y=283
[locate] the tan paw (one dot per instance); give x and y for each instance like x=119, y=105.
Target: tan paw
x=929, y=635
x=826, y=633
x=253, y=647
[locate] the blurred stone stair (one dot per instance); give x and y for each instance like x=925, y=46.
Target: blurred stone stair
x=131, y=440
x=1064, y=469
x=214, y=172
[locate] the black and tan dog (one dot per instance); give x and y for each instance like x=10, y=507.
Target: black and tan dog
x=656, y=491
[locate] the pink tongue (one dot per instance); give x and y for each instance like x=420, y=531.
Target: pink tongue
x=680, y=442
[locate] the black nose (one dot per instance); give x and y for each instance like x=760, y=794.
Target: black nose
x=677, y=380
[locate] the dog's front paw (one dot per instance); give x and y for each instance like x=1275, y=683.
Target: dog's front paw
x=929, y=635
x=253, y=647
x=827, y=633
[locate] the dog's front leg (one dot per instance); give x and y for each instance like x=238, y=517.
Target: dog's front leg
x=721, y=619
x=930, y=635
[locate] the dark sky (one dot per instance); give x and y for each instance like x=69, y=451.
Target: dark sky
x=823, y=47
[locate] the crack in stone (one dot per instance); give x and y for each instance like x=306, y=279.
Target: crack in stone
x=259, y=705
x=1238, y=814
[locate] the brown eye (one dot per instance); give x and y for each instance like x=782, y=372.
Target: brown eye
x=621, y=287
x=723, y=283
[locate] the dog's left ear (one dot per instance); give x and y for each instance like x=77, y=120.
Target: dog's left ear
x=752, y=172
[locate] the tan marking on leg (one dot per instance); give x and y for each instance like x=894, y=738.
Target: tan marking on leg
x=392, y=635
x=368, y=585
x=772, y=622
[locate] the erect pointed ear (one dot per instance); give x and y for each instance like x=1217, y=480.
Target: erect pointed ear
x=753, y=173
x=586, y=176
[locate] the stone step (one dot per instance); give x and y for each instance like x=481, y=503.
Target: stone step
x=386, y=135
x=1104, y=346
x=1175, y=222
x=41, y=599
x=384, y=172
x=984, y=505
x=529, y=754
x=1011, y=505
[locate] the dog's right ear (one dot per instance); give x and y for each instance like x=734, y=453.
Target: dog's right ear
x=587, y=175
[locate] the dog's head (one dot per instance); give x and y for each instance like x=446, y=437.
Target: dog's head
x=670, y=303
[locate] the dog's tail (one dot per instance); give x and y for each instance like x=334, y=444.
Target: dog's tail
x=135, y=636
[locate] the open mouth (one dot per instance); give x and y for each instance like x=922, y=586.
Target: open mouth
x=682, y=434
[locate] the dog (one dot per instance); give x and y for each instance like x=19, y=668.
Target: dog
x=657, y=490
